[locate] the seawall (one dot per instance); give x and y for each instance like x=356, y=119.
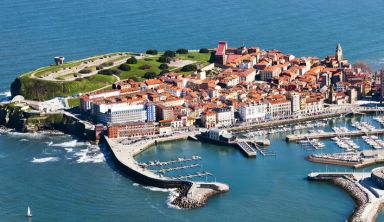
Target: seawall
x=367, y=204
x=191, y=194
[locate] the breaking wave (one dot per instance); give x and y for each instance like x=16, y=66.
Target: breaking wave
x=68, y=144
x=171, y=197
x=5, y=93
x=45, y=159
x=91, y=154
x=173, y=194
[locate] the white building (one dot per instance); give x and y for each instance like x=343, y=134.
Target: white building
x=253, y=112
x=314, y=106
x=295, y=99
x=278, y=109
x=119, y=112
x=165, y=130
x=224, y=116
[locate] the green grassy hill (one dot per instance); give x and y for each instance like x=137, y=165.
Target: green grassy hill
x=40, y=89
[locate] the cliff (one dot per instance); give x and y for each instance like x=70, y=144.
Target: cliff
x=24, y=120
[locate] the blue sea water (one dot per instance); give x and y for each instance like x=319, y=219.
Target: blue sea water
x=61, y=184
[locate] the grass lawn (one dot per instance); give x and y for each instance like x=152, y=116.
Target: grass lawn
x=201, y=57
x=38, y=89
x=67, y=76
x=139, y=73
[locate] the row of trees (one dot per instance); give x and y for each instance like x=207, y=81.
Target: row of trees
x=178, y=51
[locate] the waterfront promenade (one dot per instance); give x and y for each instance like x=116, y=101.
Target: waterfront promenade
x=329, y=112
x=191, y=194
x=368, y=197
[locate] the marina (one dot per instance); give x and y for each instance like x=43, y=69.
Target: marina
x=199, y=191
x=328, y=135
x=346, y=143
x=178, y=160
x=183, y=167
x=263, y=150
x=311, y=144
x=374, y=141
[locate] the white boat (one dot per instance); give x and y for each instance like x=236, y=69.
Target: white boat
x=29, y=212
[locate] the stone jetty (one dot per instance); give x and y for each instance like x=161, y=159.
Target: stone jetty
x=191, y=194
x=368, y=197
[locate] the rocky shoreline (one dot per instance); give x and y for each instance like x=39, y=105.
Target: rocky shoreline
x=366, y=207
x=191, y=197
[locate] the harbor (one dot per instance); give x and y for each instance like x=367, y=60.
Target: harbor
x=191, y=194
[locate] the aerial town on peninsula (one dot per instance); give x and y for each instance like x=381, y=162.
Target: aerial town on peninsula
x=126, y=101
x=244, y=86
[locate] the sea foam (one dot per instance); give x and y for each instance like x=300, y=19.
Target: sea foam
x=45, y=159
x=72, y=143
x=5, y=93
x=91, y=154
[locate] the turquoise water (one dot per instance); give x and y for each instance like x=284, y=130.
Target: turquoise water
x=61, y=184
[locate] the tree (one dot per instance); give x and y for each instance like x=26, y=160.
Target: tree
x=125, y=67
x=164, y=59
x=150, y=75
x=134, y=78
x=204, y=50
x=169, y=53
x=182, y=51
x=189, y=68
x=151, y=52
x=132, y=60
x=164, y=71
x=363, y=66
x=163, y=66
x=110, y=72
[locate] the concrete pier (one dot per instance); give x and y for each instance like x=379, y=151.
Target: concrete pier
x=246, y=148
x=356, y=160
x=124, y=157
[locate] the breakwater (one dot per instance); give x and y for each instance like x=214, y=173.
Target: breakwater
x=191, y=194
x=315, y=159
x=368, y=203
x=356, y=159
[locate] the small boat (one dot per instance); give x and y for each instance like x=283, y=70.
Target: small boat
x=29, y=212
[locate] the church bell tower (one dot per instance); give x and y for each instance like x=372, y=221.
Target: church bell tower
x=339, y=53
